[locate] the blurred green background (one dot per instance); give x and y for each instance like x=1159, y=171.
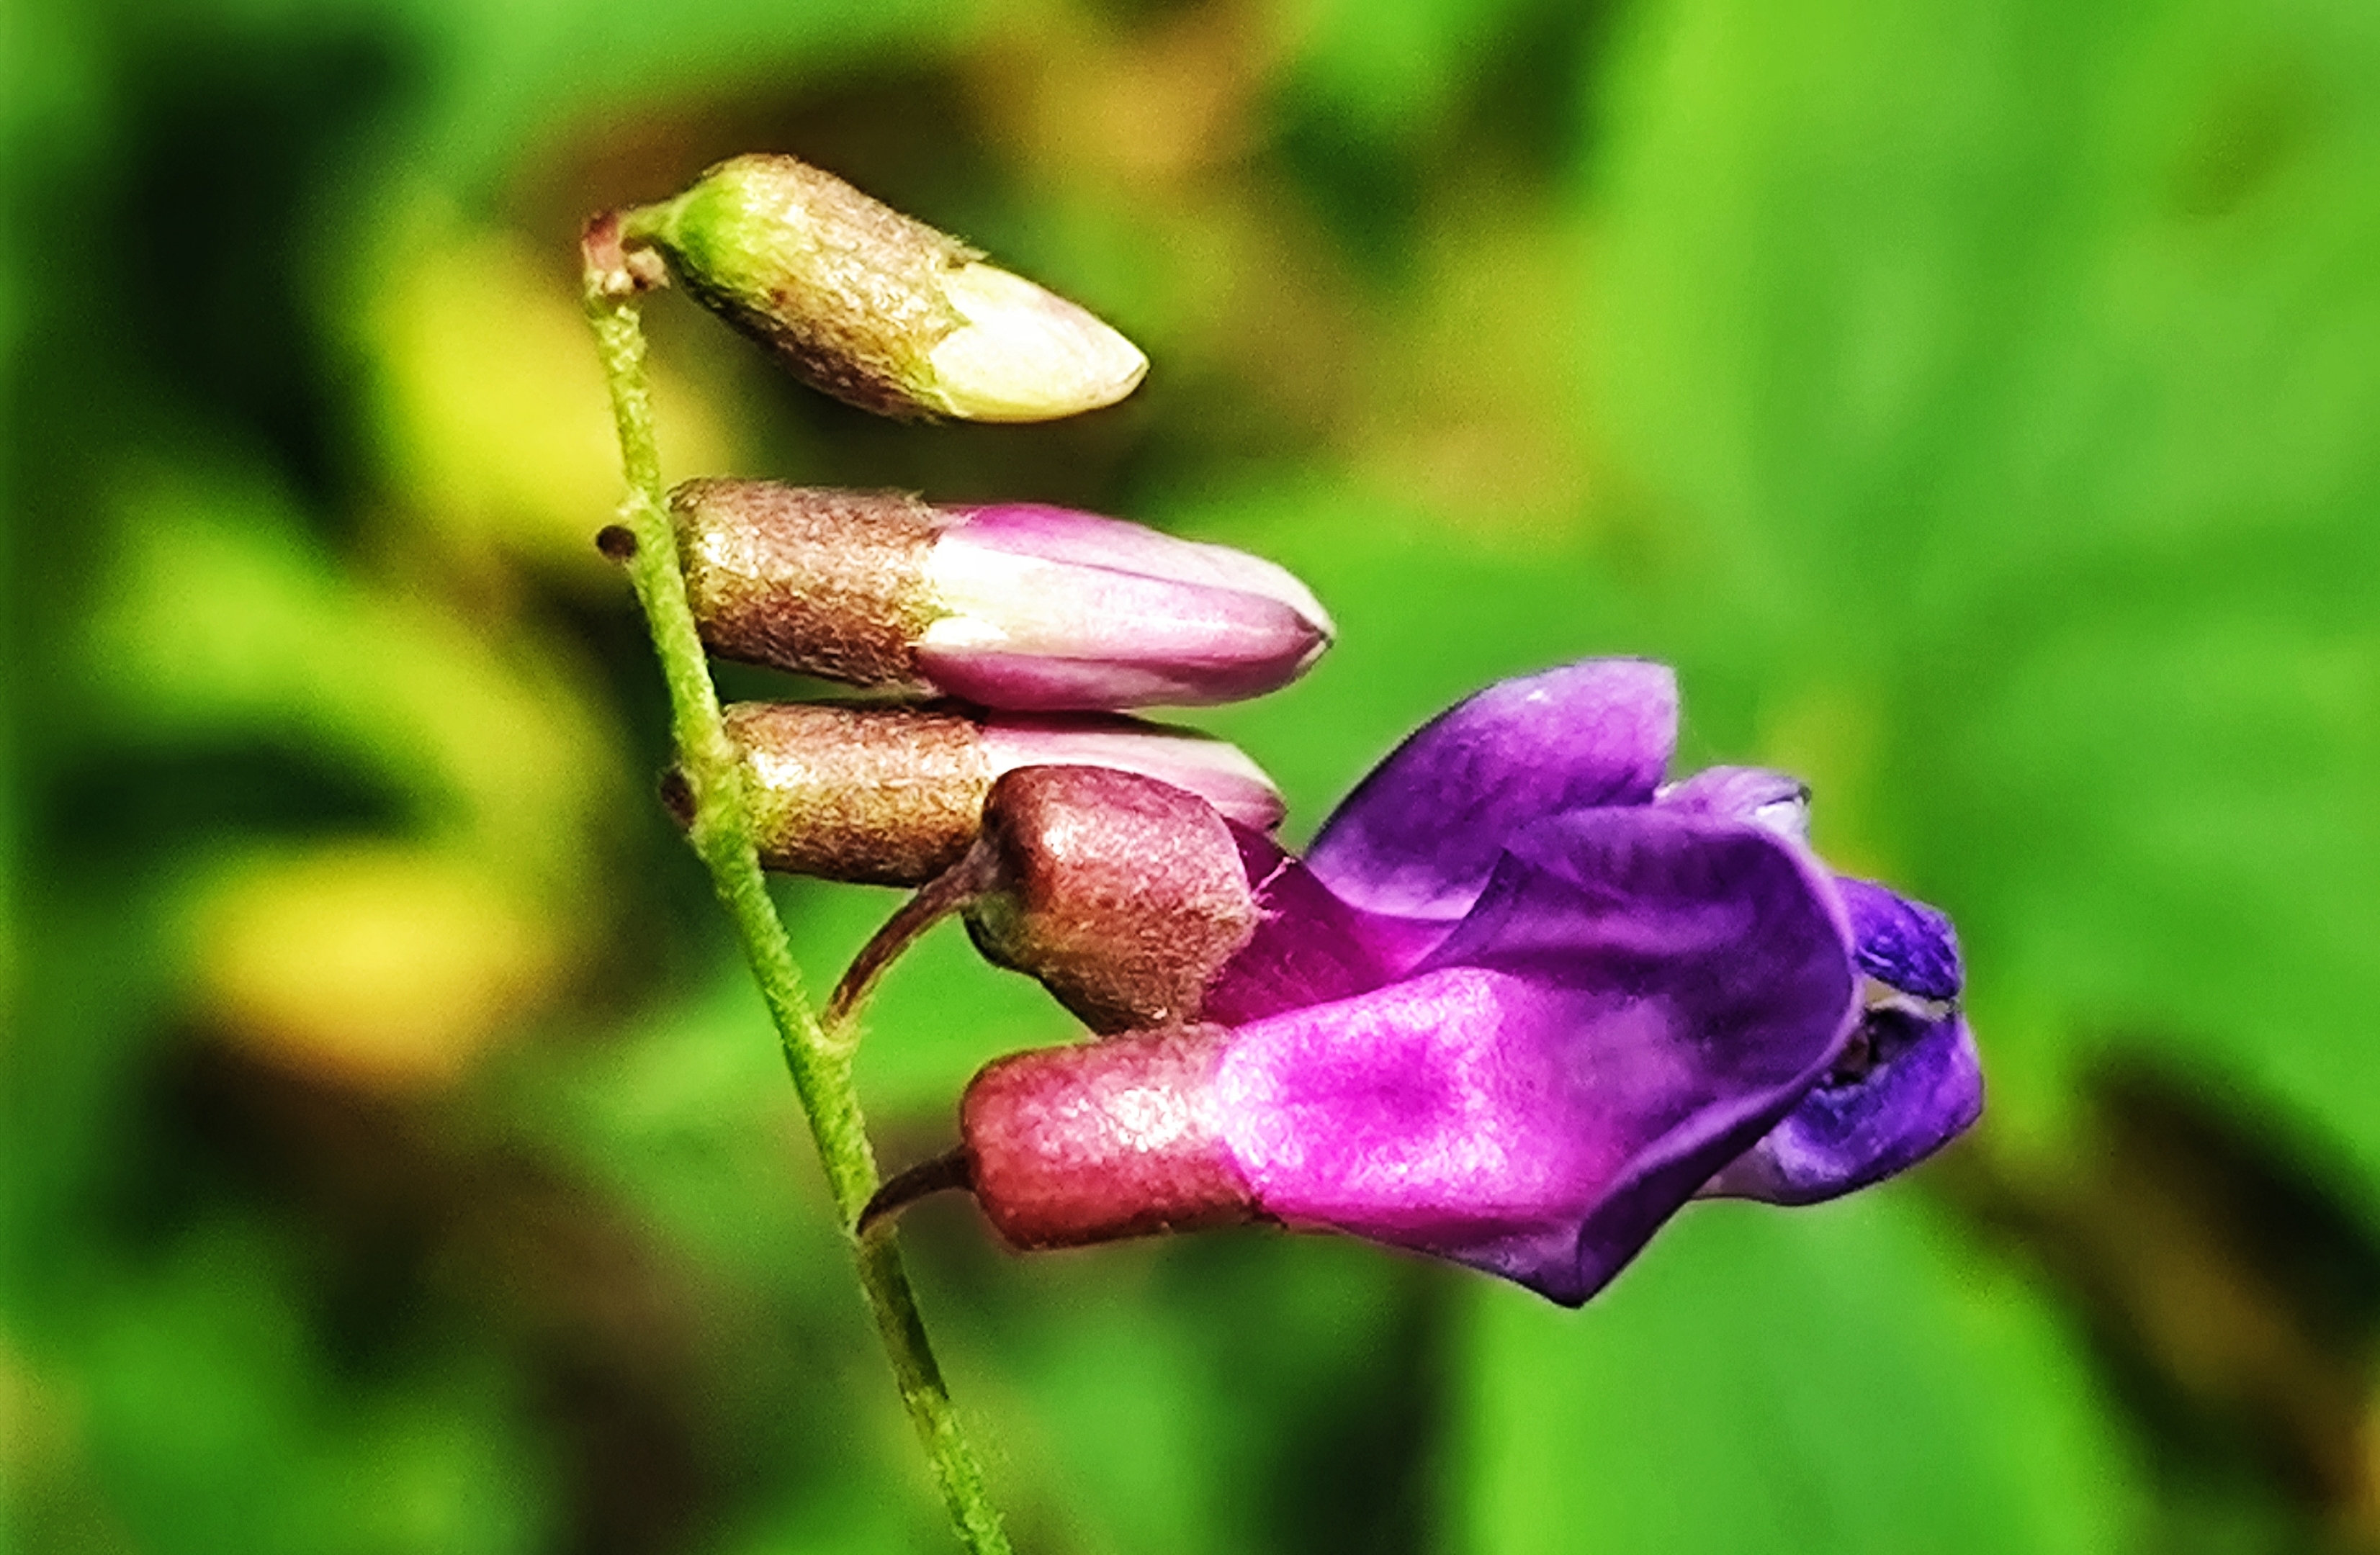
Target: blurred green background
x=1978, y=401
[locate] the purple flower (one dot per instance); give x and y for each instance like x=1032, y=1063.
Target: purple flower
x=1017, y=607
x=1635, y=999
x=1519, y=1003
x=1598, y=734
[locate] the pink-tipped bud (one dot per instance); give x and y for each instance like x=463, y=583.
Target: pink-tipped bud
x=878, y=310
x=1017, y=606
x=1121, y=1137
x=1216, y=770
x=1123, y=894
x=1044, y=608
x=895, y=796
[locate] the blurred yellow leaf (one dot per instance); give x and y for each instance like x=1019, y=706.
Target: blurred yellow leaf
x=492, y=416
x=376, y=964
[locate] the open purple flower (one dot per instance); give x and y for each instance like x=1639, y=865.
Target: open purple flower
x=1636, y=998
x=1518, y=1005
x=1412, y=848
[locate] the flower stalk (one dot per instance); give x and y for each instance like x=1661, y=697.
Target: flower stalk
x=719, y=828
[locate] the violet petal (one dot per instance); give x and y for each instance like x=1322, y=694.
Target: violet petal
x=1911, y=1082
x=1636, y=998
x=1905, y=944
x=1419, y=837
x=1753, y=795
x=1845, y=1136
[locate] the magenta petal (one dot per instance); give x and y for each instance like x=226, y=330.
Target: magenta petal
x=1309, y=946
x=1638, y=997
x=1044, y=610
x=1420, y=834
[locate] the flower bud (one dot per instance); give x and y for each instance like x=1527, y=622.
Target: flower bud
x=1088, y=1144
x=895, y=796
x=1014, y=605
x=819, y=582
x=1046, y=608
x=1216, y=770
x=1123, y=894
x=875, y=309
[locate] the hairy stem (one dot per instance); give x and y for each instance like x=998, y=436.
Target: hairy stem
x=720, y=830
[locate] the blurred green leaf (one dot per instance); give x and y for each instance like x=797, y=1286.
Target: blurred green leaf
x=1389, y=69
x=218, y=618
x=517, y=70
x=1836, y=1380
x=206, y=1409
x=2015, y=366
x=684, y=1116
x=1977, y=408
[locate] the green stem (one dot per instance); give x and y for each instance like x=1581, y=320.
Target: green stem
x=721, y=833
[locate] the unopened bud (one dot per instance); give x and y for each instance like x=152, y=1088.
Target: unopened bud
x=895, y=796
x=1121, y=1137
x=1216, y=770
x=1015, y=606
x=1123, y=894
x=878, y=309
x=819, y=582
